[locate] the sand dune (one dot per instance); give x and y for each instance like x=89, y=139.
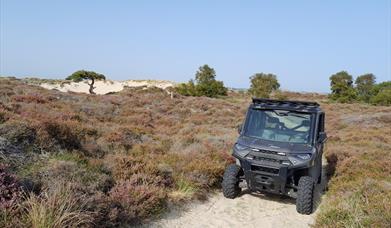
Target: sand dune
x=103, y=87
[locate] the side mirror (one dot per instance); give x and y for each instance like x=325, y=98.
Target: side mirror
x=322, y=137
x=240, y=126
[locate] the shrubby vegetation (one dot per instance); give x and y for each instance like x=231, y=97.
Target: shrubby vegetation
x=205, y=84
x=342, y=87
x=262, y=85
x=366, y=89
x=381, y=94
x=364, y=86
x=358, y=153
x=126, y=155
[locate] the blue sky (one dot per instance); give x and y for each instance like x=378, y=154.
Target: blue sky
x=302, y=42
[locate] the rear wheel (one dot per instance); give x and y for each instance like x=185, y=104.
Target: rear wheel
x=230, y=183
x=305, y=195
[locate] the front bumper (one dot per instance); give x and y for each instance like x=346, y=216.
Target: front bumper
x=265, y=178
x=268, y=171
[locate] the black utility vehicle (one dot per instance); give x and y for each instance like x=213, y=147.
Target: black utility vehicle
x=279, y=150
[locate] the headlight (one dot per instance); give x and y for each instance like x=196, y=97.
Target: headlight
x=241, y=150
x=240, y=147
x=299, y=158
x=303, y=156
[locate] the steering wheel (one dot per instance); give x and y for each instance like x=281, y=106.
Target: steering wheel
x=304, y=123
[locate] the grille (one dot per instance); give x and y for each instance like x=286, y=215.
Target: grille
x=267, y=152
x=264, y=169
x=266, y=159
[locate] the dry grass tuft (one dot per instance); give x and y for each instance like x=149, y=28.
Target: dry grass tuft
x=58, y=207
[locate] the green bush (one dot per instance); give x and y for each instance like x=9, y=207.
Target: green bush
x=382, y=98
x=206, y=84
x=366, y=89
x=364, y=86
x=342, y=89
x=187, y=89
x=262, y=85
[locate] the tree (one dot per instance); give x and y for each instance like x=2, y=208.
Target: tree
x=205, y=75
x=263, y=84
x=364, y=86
x=342, y=87
x=81, y=75
x=205, y=84
x=381, y=94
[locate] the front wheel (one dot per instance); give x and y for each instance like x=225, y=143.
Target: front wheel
x=305, y=195
x=230, y=183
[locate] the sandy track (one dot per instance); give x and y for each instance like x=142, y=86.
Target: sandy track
x=248, y=210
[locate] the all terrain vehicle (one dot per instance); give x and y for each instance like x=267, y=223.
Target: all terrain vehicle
x=279, y=150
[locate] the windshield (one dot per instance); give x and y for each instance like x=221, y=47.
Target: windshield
x=279, y=126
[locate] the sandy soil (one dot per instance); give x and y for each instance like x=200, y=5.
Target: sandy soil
x=103, y=87
x=248, y=210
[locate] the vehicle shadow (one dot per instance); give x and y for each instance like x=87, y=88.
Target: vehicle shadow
x=269, y=196
x=321, y=188
x=318, y=192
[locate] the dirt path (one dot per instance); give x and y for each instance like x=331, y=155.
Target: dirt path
x=248, y=210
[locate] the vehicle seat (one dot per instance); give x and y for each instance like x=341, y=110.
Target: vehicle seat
x=271, y=123
x=300, y=137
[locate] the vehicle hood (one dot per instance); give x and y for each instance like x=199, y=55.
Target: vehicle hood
x=274, y=146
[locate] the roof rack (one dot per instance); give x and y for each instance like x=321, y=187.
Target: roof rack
x=286, y=104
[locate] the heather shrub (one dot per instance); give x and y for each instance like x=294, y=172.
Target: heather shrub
x=18, y=133
x=10, y=197
x=91, y=148
x=60, y=134
x=357, y=153
x=76, y=172
x=125, y=167
x=9, y=217
x=3, y=117
x=30, y=98
x=136, y=198
x=123, y=137
x=205, y=170
x=10, y=191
